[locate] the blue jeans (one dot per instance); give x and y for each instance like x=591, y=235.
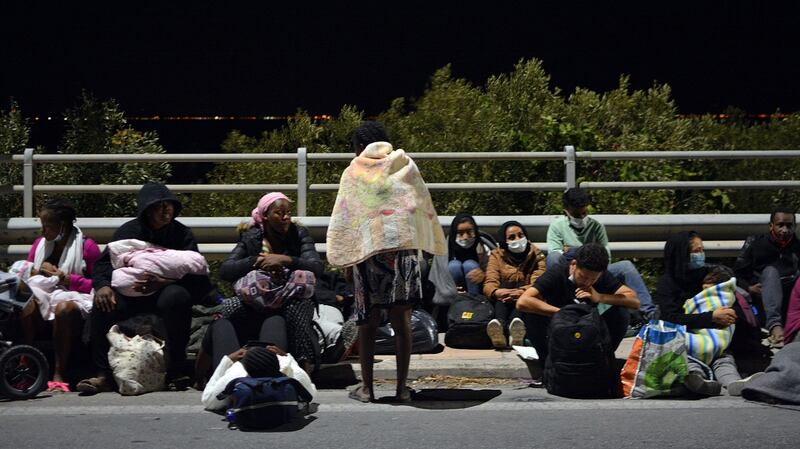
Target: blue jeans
x=459, y=270
x=623, y=270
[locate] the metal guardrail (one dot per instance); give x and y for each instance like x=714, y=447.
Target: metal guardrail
x=569, y=157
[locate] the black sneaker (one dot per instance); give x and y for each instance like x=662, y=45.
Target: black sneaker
x=696, y=383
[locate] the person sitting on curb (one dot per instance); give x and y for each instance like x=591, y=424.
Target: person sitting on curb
x=686, y=274
x=576, y=228
x=171, y=299
x=584, y=279
x=468, y=253
x=767, y=267
x=512, y=269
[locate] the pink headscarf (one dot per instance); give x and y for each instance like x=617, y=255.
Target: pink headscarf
x=256, y=216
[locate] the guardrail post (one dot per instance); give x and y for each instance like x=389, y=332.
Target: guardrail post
x=302, y=181
x=569, y=166
x=27, y=183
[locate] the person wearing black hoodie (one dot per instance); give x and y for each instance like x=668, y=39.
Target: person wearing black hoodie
x=685, y=270
x=155, y=223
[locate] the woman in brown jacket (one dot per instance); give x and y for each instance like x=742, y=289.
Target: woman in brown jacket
x=512, y=268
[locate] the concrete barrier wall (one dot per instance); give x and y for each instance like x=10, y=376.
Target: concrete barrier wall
x=630, y=235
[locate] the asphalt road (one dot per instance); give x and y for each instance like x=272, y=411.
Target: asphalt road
x=483, y=417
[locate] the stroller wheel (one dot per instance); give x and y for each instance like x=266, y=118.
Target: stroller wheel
x=23, y=372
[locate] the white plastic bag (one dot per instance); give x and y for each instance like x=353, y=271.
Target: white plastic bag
x=138, y=363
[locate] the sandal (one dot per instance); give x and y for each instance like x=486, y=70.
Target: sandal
x=94, y=385
x=776, y=338
x=57, y=387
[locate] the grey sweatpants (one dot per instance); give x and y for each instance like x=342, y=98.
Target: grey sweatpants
x=724, y=368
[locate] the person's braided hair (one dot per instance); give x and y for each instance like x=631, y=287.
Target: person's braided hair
x=60, y=209
x=369, y=132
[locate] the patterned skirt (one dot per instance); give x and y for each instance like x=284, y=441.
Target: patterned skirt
x=384, y=280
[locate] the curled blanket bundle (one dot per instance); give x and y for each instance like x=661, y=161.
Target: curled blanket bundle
x=133, y=258
x=382, y=205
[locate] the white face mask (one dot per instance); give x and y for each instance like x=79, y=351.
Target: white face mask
x=578, y=223
x=517, y=246
x=59, y=237
x=465, y=243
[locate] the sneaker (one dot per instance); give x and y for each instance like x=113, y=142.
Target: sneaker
x=696, y=383
x=735, y=388
x=516, y=331
x=495, y=332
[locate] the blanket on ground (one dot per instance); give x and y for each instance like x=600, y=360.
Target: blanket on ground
x=382, y=205
x=780, y=383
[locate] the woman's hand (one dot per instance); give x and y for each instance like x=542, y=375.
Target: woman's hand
x=47, y=269
x=105, y=300
x=723, y=317
x=150, y=282
x=269, y=262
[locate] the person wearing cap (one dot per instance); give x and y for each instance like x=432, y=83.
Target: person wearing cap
x=171, y=299
x=576, y=228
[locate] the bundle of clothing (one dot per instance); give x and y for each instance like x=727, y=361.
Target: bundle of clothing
x=46, y=289
x=132, y=259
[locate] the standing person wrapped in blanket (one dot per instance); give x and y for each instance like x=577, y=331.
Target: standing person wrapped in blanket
x=275, y=251
x=382, y=217
x=58, y=272
x=684, y=277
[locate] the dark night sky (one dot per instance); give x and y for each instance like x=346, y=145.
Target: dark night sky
x=169, y=59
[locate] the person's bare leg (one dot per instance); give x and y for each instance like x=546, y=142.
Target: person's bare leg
x=400, y=317
x=366, y=356
x=30, y=321
x=66, y=325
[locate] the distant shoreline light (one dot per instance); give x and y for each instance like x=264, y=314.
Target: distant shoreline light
x=202, y=118
x=323, y=117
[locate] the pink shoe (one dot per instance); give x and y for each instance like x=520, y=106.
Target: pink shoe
x=58, y=387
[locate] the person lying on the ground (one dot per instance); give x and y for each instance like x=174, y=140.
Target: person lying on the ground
x=768, y=266
x=584, y=280
x=468, y=253
x=512, y=269
x=171, y=299
x=686, y=275
x=252, y=361
x=575, y=228
x=58, y=272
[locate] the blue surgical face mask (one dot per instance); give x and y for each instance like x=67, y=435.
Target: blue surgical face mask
x=697, y=260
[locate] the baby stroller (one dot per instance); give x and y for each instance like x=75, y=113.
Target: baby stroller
x=23, y=369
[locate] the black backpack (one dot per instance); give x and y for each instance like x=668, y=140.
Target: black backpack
x=265, y=402
x=580, y=361
x=467, y=319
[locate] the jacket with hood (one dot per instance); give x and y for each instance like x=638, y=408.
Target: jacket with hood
x=679, y=283
x=172, y=236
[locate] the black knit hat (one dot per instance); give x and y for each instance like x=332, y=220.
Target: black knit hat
x=260, y=362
